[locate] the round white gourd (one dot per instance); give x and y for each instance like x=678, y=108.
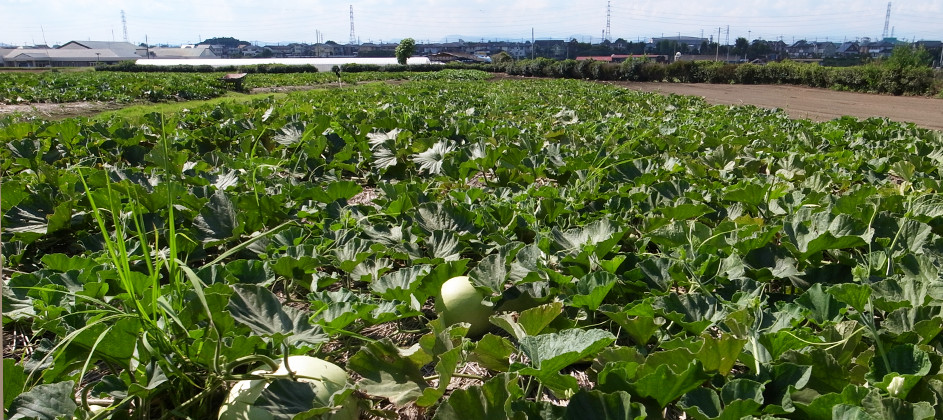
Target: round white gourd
x=459, y=301
x=326, y=377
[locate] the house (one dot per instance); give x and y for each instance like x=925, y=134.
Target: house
x=848, y=49
x=124, y=49
x=550, y=48
x=824, y=49
x=801, y=49
x=3, y=52
x=693, y=43
x=34, y=57
x=71, y=54
x=880, y=49
x=249, y=50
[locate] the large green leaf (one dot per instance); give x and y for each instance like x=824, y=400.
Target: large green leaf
x=390, y=372
x=816, y=232
x=720, y=354
x=490, y=401
x=597, y=405
x=552, y=352
x=549, y=353
x=400, y=284
x=14, y=380
x=218, y=220
x=493, y=352
x=694, y=311
x=821, y=307
x=338, y=190
x=664, y=385
x=44, y=402
x=573, y=240
x=593, y=288
x=908, y=365
x=436, y=216
x=260, y=310
x=638, y=321
x=284, y=398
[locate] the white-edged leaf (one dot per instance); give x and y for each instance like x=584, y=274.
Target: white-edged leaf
x=431, y=159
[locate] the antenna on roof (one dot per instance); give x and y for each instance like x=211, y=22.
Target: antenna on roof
x=124, y=26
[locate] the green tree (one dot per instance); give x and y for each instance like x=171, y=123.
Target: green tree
x=501, y=58
x=905, y=56
x=405, y=49
x=758, y=48
x=741, y=46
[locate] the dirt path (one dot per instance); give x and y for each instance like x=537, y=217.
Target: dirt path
x=814, y=104
x=60, y=111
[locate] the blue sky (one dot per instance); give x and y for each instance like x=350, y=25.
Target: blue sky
x=183, y=22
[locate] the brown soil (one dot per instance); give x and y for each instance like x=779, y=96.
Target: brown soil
x=60, y=111
x=810, y=103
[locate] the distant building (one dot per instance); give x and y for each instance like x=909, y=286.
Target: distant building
x=848, y=49
x=880, y=49
x=693, y=43
x=550, y=48
x=71, y=54
x=189, y=51
x=801, y=49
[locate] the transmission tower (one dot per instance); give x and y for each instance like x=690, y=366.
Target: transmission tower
x=124, y=25
x=353, y=36
x=887, y=21
x=608, y=16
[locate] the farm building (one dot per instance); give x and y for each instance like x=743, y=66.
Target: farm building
x=72, y=54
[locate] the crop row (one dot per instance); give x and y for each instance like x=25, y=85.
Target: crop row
x=642, y=256
x=60, y=87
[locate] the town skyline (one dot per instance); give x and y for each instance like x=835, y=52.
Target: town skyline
x=172, y=22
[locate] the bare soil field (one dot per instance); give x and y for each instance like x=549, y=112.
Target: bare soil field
x=814, y=104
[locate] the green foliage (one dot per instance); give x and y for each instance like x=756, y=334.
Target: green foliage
x=95, y=86
x=724, y=262
x=404, y=50
x=905, y=56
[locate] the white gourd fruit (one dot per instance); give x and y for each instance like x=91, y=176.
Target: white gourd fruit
x=326, y=377
x=459, y=301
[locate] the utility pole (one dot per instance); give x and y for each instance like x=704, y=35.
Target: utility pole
x=727, y=43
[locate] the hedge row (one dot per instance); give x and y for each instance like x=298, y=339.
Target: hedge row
x=419, y=68
x=871, y=78
x=131, y=66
